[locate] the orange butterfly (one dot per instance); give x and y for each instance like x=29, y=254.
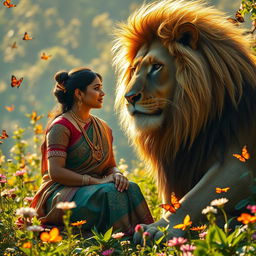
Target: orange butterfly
x=14, y=45
x=44, y=56
x=9, y=108
x=26, y=37
x=220, y=190
x=8, y=4
x=38, y=129
x=175, y=204
x=34, y=117
x=245, y=155
x=4, y=135
x=15, y=82
x=186, y=223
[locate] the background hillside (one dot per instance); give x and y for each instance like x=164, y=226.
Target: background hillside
x=75, y=33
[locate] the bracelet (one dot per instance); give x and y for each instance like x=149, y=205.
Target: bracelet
x=86, y=180
x=118, y=172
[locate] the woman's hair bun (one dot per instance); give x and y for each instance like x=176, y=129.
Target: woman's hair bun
x=61, y=77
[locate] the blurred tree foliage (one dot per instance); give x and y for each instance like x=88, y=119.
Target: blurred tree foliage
x=74, y=33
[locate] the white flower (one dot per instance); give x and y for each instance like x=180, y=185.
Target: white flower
x=209, y=209
x=118, y=235
x=35, y=228
x=66, y=205
x=219, y=202
x=26, y=212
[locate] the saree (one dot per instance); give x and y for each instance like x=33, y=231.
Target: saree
x=101, y=205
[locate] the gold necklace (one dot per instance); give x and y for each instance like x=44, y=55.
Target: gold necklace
x=97, y=150
x=88, y=120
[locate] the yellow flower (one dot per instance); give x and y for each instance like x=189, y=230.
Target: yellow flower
x=186, y=223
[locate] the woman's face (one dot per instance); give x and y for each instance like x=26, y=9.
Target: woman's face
x=93, y=95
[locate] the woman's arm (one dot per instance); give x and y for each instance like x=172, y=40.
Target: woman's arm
x=64, y=176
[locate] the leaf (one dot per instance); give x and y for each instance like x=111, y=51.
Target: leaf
x=242, y=204
x=159, y=240
x=108, y=234
x=220, y=235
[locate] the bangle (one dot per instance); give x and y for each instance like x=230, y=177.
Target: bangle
x=86, y=180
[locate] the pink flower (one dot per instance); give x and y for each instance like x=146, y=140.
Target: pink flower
x=177, y=241
x=139, y=228
x=118, y=235
x=108, y=252
x=146, y=234
x=161, y=254
x=28, y=198
x=252, y=208
x=187, y=248
x=202, y=234
x=2, y=178
x=20, y=173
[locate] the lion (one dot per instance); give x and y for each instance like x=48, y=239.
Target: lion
x=186, y=99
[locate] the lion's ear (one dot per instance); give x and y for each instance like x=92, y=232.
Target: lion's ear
x=187, y=34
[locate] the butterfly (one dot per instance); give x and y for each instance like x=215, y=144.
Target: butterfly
x=8, y=4
x=186, y=223
x=26, y=36
x=173, y=206
x=238, y=18
x=44, y=56
x=14, y=45
x=245, y=155
x=38, y=129
x=220, y=190
x=4, y=135
x=34, y=117
x=9, y=108
x=16, y=82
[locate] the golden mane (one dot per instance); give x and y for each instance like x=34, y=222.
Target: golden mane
x=219, y=68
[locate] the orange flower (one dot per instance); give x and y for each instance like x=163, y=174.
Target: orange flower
x=247, y=218
x=186, y=223
x=221, y=190
x=79, y=223
x=198, y=228
x=27, y=245
x=52, y=236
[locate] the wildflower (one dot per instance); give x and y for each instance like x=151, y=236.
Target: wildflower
x=118, y=235
x=52, y=236
x=219, y=202
x=26, y=212
x=79, y=223
x=209, y=209
x=161, y=254
x=202, y=234
x=35, y=228
x=139, y=228
x=176, y=241
x=108, y=252
x=252, y=208
x=198, y=228
x=9, y=193
x=66, y=205
x=27, y=245
x=247, y=218
x=186, y=223
x=28, y=198
x=123, y=243
x=20, y=173
x=221, y=190
x=2, y=178
x=187, y=248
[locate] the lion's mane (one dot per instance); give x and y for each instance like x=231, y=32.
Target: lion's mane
x=215, y=98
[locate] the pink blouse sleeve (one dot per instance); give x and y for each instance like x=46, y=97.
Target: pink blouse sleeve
x=57, y=141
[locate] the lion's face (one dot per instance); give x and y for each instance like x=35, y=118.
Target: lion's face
x=150, y=90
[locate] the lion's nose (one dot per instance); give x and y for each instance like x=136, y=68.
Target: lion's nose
x=133, y=97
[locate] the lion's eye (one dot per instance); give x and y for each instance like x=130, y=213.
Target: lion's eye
x=155, y=67
x=132, y=70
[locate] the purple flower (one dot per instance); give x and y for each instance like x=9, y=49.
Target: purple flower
x=108, y=252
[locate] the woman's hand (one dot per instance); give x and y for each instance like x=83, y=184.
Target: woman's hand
x=121, y=182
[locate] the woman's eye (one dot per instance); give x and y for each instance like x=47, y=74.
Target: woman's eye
x=156, y=67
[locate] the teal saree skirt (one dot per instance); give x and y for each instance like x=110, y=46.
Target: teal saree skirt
x=103, y=206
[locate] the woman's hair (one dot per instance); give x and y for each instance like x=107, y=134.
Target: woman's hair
x=66, y=83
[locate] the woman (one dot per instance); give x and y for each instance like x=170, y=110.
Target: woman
x=78, y=162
